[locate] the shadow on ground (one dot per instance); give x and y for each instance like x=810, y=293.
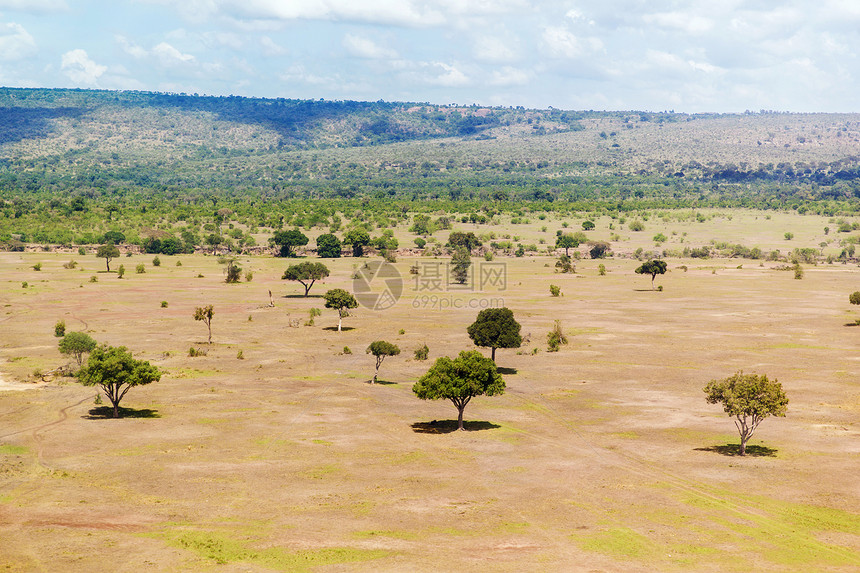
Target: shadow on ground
x=105, y=412
x=735, y=450
x=448, y=426
x=334, y=328
x=382, y=382
x=505, y=370
x=302, y=296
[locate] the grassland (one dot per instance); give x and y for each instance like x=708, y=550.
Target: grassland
x=603, y=456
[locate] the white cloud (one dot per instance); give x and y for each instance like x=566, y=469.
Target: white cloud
x=509, y=76
x=78, y=66
x=684, y=22
x=15, y=42
x=170, y=56
x=560, y=42
x=366, y=48
x=495, y=49
x=130, y=48
x=271, y=48
x=34, y=5
x=446, y=75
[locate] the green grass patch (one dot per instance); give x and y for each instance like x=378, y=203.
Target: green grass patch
x=619, y=542
x=10, y=450
x=406, y=535
x=222, y=549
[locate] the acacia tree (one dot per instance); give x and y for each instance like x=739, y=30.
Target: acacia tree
x=205, y=313
x=495, y=328
x=568, y=241
x=461, y=240
x=116, y=372
x=380, y=349
x=306, y=273
x=854, y=297
x=341, y=301
x=107, y=252
x=459, y=380
x=460, y=263
x=76, y=344
x=358, y=238
x=286, y=240
x=328, y=246
x=653, y=268
x=750, y=399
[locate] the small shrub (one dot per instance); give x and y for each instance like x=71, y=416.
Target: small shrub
x=199, y=275
x=789, y=236
x=488, y=256
x=854, y=297
x=798, y=271
x=636, y=225
x=140, y=269
x=60, y=329
x=37, y=267
x=240, y=355
x=164, y=304
x=71, y=264
x=120, y=271
x=659, y=288
x=156, y=262
x=178, y=263
x=98, y=401
x=25, y=284
x=555, y=290
x=94, y=279
x=401, y=331
x=346, y=350
x=555, y=337
x=194, y=352
x=249, y=276
x=601, y=270
x=422, y=352
x=82, y=251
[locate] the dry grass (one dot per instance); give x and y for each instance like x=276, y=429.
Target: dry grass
x=603, y=456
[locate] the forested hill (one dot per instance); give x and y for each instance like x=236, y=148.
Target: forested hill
x=95, y=143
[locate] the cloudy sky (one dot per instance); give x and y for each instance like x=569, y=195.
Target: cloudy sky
x=695, y=55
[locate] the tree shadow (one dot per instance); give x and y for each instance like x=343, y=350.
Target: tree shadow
x=303, y=296
x=448, y=426
x=382, y=383
x=857, y=323
x=334, y=328
x=506, y=370
x=645, y=290
x=106, y=412
x=735, y=450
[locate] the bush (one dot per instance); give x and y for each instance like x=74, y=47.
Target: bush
x=798, y=271
x=636, y=225
x=555, y=290
x=140, y=269
x=82, y=251
x=25, y=284
x=194, y=352
x=37, y=267
x=156, y=262
x=164, y=304
x=240, y=355
x=71, y=264
x=249, y=276
x=233, y=272
x=422, y=352
x=94, y=279
x=346, y=350
x=60, y=329
x=120, y=271
x=555, y=337
x=854, y=297
x=601, y=269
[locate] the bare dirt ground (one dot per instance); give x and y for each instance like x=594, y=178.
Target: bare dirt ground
x=601, y=457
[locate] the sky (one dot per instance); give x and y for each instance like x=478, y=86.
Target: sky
x=652, y=55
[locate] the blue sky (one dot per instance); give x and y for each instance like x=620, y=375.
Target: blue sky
x=693, y=56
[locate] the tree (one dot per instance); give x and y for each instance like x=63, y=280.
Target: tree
x=599, y=249
x=588, y=225
x=116, y=372
x=854, y=297
x=653, y=268
x=459, y=380
x=114, y=237
x=289, y=239
x=341, y=301
x=328, y=246
x=568, y=241
x=233, y=272
x=306, y=273
x=750, y=399
x=461, y=240
x=495, y=328
x=107, y=252
x=460, y=263
x=380, y=349
x=358, y=238
x=205, y=313
x=76, y=344
x=214, y=240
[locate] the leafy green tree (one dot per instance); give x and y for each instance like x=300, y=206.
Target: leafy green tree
x=854, y=297
x=421, y=225
x=568, y=241
x=599, y=249
x=107, y=252
x=460, y=263
x=459, y=380
x=588, y=225
x=358, y=238
x=76, y=344
x=750, y=399
x=114, y=237
x=653, y=268
x=495, y=328
x=306, y=273
x=461, y=240
x=233, y=272
x=116, y=372
x=341, y=301
x=286, y=240
x=205, y=314
x=328, y=246
x=213, y=240
x=380, y=349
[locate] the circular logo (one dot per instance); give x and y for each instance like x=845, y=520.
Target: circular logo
x=377, y=285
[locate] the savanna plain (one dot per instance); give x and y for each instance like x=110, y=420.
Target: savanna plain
x=272, y=451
